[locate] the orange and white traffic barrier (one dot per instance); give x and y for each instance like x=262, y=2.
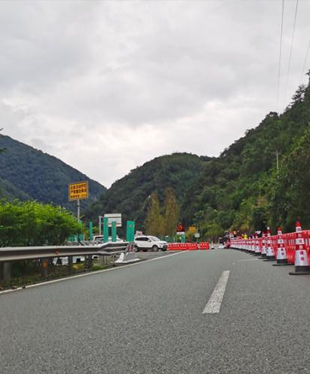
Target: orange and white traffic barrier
x=270, y=255
x=281, y=250
x=301, y=255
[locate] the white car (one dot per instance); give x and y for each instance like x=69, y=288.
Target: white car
x=146, y=242
x=98, y=239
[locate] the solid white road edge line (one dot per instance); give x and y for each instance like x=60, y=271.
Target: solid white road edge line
x=215, y=301
x=87, y=274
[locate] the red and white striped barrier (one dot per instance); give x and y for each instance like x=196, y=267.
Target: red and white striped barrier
x=301, y=255
x=281, y=250
x=188, y=246
x=257, y=246
x=264, y=250
x=290, y=248
x=270, y=253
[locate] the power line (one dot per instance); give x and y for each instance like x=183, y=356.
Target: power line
x=280, y=54
x=305, y=62
x=291, y=51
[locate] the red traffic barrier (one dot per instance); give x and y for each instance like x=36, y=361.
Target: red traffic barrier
x=301, y=255
x=204, y=245
x=188, y=246
x=281, y=250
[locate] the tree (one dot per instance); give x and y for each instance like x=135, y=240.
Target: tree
x=154, y=220
x=212, y=231
x=33, y=224
x=171, y=215
x=2, y=149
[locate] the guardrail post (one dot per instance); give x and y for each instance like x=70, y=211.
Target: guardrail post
x=44, y=267
x=6, y=273
x=102, y=260
x=70, y=264
x=88, y=264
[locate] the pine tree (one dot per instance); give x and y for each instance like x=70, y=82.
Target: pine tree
x=154, y=220
x=171, y=215
x=2, y=149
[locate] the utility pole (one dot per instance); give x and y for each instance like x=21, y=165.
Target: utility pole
x=100, y=224
x=78, y=211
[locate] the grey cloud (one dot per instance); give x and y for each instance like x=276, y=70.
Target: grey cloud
x=88, y=81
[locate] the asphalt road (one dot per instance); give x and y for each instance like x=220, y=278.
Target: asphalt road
x=148, y=318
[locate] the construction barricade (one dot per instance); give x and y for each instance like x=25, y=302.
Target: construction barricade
x=188, y=246
x=204, y=246
x=289, y=242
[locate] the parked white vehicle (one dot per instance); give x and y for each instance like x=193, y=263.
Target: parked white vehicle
x=148, y=242
x=98, y=239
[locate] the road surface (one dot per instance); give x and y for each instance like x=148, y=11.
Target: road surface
x=218, y=311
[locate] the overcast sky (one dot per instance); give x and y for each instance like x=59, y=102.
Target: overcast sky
x=108, y=85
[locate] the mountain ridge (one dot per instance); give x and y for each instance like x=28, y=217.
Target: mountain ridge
x=30, y=174
x=130, y=194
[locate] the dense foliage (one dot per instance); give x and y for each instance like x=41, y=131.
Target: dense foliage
x=29, y=174
x=32, y=224
x=162, y=221
x=131, y=194
x=262, y=179
x=245, y=188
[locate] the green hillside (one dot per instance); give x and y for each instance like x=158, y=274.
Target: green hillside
x=29, y=174
x=244, y=188
x=130, y=195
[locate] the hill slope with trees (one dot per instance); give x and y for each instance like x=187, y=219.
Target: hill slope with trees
x=262, y=179
x=29, y=174
x=131, y=195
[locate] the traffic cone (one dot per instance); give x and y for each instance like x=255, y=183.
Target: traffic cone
x=257, y=249
x=250, y=244
x=270, y=256
x=301, y=255
x=253, y=245
x=281, y=251
x=264, y=252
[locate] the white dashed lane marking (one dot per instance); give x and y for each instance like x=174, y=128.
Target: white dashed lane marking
x=215, y=301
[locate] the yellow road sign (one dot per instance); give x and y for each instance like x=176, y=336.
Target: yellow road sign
x=192, y=230
x=78, y=191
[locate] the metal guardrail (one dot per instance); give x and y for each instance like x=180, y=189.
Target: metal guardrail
x=33, y=253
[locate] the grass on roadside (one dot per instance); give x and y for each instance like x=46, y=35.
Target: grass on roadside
x=29, y=275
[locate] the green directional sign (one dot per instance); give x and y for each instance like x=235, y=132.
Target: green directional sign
x=113, y=231
x=91, y=234
x=105, y=230
x=130, y=232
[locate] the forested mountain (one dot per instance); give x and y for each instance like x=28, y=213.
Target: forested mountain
x=29, y=174
x=131, y=194
x=262, y=179
x=245, y=188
